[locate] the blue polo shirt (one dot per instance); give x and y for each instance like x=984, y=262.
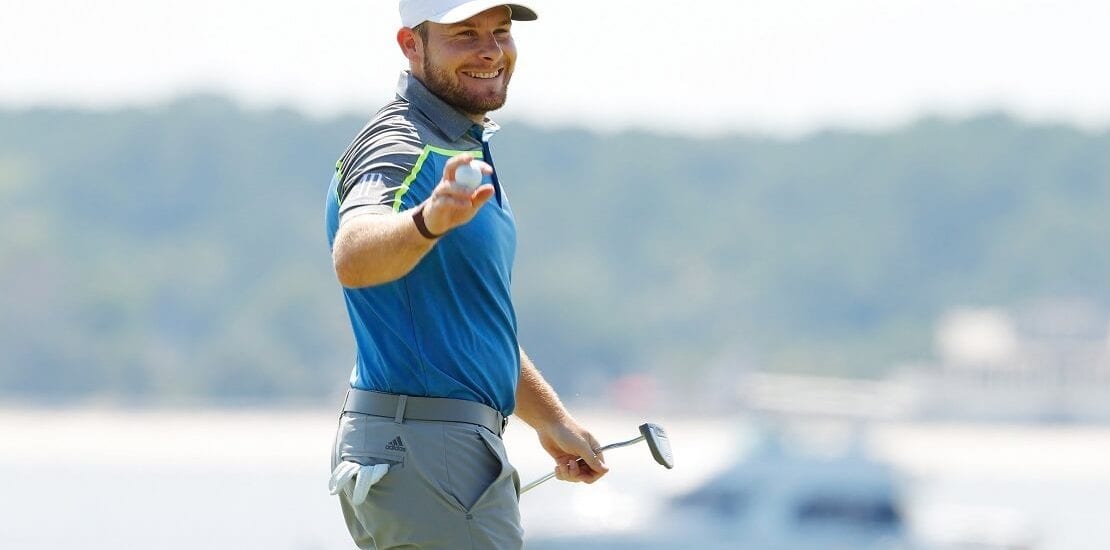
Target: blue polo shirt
x=447, y=328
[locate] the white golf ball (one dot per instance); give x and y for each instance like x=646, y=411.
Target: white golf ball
x=469, y=175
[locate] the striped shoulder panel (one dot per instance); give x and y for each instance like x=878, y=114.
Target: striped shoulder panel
x=388, y=145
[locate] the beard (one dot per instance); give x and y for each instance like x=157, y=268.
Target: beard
x=451, y=91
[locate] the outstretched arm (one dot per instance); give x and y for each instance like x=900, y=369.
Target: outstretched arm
x=561, y=436
x=373, y=249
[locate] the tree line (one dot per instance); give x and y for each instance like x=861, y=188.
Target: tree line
x=177, y=253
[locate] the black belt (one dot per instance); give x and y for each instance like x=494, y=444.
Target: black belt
x=409, y=407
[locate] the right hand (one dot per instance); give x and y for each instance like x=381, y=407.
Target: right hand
x=452, y=205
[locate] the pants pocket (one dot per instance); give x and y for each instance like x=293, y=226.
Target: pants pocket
x=472, y=465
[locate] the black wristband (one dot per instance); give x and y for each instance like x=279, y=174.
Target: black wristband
x=418, y=219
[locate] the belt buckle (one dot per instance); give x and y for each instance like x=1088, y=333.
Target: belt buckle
x=504, y=424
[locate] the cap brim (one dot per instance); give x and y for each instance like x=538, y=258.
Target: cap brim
x=466, y=10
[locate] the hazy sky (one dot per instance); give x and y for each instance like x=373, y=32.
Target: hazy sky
x=780, y=66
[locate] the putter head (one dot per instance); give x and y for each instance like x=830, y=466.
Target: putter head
x=657, y=441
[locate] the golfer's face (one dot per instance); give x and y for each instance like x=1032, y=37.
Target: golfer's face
x=469, y=64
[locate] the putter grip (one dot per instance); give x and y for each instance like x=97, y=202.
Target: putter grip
x=551, y=474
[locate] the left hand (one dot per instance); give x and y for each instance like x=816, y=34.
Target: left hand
x=566, y=442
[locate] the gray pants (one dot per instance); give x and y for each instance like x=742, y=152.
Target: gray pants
x=449, y=486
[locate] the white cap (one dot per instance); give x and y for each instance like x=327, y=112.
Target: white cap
x=415, y=12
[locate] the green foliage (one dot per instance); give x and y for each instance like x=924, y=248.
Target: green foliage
x=179, y=252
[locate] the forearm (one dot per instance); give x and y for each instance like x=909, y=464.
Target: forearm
x=572, y=446
x=537, y=404
x=373, y=249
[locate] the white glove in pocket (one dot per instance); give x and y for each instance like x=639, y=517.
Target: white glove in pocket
x=355, y=480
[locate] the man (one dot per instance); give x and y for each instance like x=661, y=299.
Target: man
x=425, y=264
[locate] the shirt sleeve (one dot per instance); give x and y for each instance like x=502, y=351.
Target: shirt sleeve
x=369, y=195
x=377, y=167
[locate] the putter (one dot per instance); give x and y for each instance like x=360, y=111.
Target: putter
x=657, y=441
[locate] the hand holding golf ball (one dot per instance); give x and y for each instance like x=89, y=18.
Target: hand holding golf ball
x=469, y=175
x=457, y=197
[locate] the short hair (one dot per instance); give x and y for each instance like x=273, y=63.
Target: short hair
x=422, y=30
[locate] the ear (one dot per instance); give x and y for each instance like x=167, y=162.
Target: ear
x=411, y=46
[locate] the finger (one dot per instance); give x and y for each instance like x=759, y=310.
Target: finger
x=462, y=206
x=575, y=471
x=562, y=471
x=579, y=471
x=453, y=205
x=595, y=459
x=453, y=163
x=448, y=189
x=481, y=195
x=596, y=462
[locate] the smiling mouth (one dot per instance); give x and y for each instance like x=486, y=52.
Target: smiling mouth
x=484, y=76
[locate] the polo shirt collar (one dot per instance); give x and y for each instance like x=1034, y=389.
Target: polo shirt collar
x=449, y=120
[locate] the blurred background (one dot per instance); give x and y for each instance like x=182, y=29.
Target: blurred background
x=850, y=254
